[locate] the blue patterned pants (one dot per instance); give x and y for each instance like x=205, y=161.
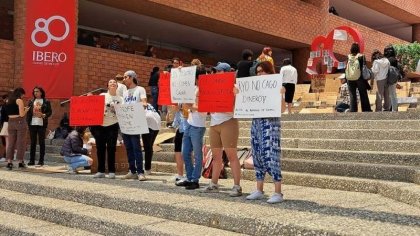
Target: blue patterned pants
x=265, y=142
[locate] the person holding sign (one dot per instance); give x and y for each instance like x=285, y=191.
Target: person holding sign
x=224, y=133
x=132, y=144
x=265, y=142
x=106, y=134
x=37, y=118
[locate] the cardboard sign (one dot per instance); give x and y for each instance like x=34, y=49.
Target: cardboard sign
x=215, y=92
x=183, y=84
x=258, y=97
x=132, y=118
x=164, y=97
x=87, y=110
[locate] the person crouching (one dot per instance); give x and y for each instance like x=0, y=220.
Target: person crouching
x=73, y=152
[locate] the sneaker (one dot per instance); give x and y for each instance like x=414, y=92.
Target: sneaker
x=276, y=198
x=31, y=163
x=212, y=188
x=22, y=165
x=10, y=166
x=142, y=177
x=2, y=159
x=99, y=175
x=256, y=195
x=148, y=172
x=175, y=178
x=40, y=163
x=111, y=175
x=236, y=191
x=192, y=186
x=130, y=176
x=71, y=171
x=183, y=183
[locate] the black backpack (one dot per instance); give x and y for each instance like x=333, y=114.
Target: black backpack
x=393, y=75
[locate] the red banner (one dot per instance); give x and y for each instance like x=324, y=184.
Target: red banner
x=87, y=110
x=49, y=47
x=215, y=92
x=164, y=97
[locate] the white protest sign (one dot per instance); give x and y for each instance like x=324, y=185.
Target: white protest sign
x=132, y=118
x=340, y=35
x=183, y=84
x=258, y=97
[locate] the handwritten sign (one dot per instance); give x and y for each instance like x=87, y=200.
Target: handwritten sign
x=183, y=84
x=164, y=97
x=215, y=92
x=132, y=118
x=87, y=110
x=258, y=97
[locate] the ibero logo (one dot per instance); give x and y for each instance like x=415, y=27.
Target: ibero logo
x=42, y=26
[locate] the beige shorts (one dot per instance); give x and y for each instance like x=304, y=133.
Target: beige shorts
x=224, y=135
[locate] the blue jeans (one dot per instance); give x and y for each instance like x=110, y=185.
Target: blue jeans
x=155, y=93
x=193, y=141
x=134, y=154
x=77, y=161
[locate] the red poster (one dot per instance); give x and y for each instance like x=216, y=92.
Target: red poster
x=164, y=97
x=87, y=110
x=215, y=92
x=49, y=47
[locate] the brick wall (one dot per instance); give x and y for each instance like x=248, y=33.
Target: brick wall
x=6, y=22
x=7, y=65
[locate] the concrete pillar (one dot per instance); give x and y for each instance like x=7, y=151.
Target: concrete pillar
x=416, y=33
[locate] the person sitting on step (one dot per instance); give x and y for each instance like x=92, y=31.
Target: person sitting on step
x=73, y=152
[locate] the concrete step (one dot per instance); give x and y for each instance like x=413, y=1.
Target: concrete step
x=360, y=170
x=14, y=224
x=408, y=146
x=361, y=116
x=96, y=219
x=49, y=157
x=99, y=204
x=352, y=124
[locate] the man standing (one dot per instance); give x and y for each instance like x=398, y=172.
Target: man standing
x=289, y=75
x=133, y=95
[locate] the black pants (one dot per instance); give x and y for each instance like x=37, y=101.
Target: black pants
x=361, y=85
x=35, y=132
x=106, y=141
x=148, y=140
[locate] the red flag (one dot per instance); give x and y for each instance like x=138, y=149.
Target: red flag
x=215, y=92
x=49, y=46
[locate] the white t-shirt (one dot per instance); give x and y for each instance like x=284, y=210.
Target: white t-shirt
x=36, y=120
x=110, y=117
x=121, y=89
x=380, y=68
x=289, y=74
x=134, y=95
x=152, y=117
x=219, y=117
x=197, y=119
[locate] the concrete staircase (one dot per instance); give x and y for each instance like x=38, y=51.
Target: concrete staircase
x=346, y=174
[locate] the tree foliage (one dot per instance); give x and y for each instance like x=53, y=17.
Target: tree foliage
x=408, y=55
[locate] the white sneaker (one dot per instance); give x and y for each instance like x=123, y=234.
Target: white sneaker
x=175, y=178
x=236, y=191
x=212, y=188
x=276, y=198
x=111, y=176
x=71, y=171
x=142, y=177
x=256, y=195
x=148, y=172
x=130, y=175
x=99, y=175
x=2, y=159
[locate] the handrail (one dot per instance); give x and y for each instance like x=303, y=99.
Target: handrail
x=85, y=94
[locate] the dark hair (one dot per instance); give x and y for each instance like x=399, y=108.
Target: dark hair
x=376, y=54
x=135, y=81
x=287, y=61
x=40, y=89
x=116, y=81
x=266, y=66
x=246, y=53
x=154, y=70
x=16, y=94
x=149, y=52
x=389, y=51
x=355, y=49
x=175, y=59
x=117, y=36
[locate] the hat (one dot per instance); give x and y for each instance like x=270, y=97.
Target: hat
x=222, y=66
x=131, y=73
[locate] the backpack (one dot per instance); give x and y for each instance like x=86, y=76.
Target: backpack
x=252, y=70
x=208, y=164
x=393, y=75
x=353, y=68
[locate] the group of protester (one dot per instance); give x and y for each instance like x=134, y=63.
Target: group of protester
x=385, y=66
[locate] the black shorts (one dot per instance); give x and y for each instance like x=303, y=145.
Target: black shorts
x=290, y=92
x=178, y=141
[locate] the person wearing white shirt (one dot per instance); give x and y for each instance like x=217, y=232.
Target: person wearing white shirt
x=289, y=77
x=380, y=69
